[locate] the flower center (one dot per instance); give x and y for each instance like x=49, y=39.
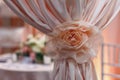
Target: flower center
x=72, y=37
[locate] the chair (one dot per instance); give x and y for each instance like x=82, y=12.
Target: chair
x=110, y=61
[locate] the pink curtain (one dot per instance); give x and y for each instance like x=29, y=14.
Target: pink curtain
x=74, y=29
x=47, y=14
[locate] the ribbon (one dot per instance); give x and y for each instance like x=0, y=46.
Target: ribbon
x=73, y=46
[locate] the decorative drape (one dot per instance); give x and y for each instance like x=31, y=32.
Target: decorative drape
x=73, y=28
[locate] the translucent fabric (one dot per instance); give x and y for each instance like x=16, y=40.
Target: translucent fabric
x=74, y=30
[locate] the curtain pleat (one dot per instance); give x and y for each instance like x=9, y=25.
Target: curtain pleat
x=47, y=14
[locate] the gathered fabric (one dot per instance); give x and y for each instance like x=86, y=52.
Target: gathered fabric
x=45, y=15
x=73, y=29
x=70, y=70
x=73, y=46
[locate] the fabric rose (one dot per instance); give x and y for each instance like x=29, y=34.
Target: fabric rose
x=73, y=39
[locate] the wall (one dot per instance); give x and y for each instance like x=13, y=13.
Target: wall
x=111, y=35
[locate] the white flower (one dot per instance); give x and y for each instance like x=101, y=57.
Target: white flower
x=36, y=43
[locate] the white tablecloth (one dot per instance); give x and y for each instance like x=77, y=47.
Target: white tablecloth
x=16, y=71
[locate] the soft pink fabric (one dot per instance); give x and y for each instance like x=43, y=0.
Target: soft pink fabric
x=68, y=22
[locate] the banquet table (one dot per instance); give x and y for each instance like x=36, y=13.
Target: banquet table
x=17, y=71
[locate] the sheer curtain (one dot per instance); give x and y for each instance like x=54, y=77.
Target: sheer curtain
x=50, y=16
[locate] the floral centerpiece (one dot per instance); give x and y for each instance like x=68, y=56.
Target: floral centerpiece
x=33, y=48
x=37, y=44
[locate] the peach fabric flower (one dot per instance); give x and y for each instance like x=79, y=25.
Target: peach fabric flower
x=71, y=37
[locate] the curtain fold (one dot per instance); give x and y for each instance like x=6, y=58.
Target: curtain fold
x=47, y=14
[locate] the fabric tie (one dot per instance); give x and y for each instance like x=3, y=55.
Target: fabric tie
x=73, y=47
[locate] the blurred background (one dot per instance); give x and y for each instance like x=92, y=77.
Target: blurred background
x=26, y=44
x=17, y=37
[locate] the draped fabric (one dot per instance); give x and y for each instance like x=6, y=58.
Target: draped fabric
x=47, y=14
x=74, y=30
